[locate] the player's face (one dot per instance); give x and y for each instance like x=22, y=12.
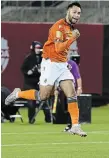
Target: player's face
x=74, y=14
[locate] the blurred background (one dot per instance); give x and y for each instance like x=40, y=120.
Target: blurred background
x=51, y=11
x=25, y=21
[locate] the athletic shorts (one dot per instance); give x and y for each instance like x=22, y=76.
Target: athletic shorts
x=52, y=72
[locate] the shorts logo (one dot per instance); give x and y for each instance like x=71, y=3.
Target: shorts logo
x=4, y=54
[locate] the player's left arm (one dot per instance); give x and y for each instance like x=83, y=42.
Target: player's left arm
x=62, y=44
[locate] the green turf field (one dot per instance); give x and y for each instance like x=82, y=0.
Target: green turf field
x=41, y=140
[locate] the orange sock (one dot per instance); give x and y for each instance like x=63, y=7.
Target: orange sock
x=28, y=94
x=74, y=112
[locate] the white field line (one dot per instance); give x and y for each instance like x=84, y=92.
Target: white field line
x=57, y=143
x=47, y=132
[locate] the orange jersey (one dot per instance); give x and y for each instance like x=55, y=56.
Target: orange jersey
x=59, y=40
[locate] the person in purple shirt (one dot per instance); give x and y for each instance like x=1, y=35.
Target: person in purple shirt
x=74, y=69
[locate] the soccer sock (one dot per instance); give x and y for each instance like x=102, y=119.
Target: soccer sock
x=28, y=94
x=73, y=110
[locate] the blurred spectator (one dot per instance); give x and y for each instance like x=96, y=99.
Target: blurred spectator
x=31, y=71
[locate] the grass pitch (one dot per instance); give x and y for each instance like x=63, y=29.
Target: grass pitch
x=42, y=140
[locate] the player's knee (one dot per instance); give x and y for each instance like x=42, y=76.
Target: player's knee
x=71, y=99
x=44, y=96
x=45, y=92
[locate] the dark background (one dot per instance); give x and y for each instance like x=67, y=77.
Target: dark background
x=93, y=47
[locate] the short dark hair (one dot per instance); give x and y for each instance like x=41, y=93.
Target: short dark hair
x=74, y=4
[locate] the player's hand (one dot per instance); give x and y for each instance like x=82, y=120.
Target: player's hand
x=79, y=91
x=76, y=33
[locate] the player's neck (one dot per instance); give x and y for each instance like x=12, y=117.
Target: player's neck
x=68, y=22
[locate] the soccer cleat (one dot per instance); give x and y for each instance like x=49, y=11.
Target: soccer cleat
x=67, y=128
x=78, y=131
x=12, y=97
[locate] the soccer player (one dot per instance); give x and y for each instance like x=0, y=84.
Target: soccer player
x=54, y=66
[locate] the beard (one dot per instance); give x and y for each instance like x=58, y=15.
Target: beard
x=72, y=20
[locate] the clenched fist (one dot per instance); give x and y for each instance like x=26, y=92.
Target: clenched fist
x=76, y=33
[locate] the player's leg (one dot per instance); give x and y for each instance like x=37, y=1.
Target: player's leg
x=29, y=94
x=17, y=93
x=69, y=90
x=46, y=84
